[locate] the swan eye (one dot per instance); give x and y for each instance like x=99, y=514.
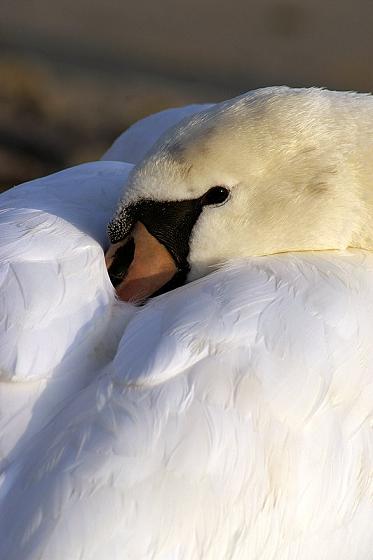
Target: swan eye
x=215, y=195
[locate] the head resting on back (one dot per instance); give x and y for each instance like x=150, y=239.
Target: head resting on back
x=295, y=165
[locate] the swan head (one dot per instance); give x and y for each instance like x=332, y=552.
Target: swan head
x=267, y=172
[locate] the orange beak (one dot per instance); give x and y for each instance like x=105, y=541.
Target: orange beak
x=151, y=268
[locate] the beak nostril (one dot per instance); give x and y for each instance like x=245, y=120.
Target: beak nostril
x=121, y=262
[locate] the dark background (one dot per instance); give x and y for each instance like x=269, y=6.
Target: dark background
x=76, y=73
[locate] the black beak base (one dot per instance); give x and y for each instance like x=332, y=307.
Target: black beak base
x=171, y=223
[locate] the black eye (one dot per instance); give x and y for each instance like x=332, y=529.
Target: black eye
x=215, y=195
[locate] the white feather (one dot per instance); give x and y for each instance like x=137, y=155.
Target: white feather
x=234, y=422
x=56, y=301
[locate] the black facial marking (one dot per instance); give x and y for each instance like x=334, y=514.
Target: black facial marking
x=120, y=226
x=170, y=222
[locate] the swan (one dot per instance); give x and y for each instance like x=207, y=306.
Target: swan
x=230, y=417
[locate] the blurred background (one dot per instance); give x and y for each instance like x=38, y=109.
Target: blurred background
x=76, y=73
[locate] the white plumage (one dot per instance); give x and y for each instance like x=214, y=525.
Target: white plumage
x=56, y=299
x=228, y=419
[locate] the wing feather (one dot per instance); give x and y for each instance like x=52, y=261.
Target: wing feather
x=230, y=424
x=56, y=300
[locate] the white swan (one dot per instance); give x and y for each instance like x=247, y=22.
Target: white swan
x=233, y=418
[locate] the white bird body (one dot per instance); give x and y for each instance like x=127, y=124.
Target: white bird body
x=228, y=419
x=233, y=422
x=56, y=301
